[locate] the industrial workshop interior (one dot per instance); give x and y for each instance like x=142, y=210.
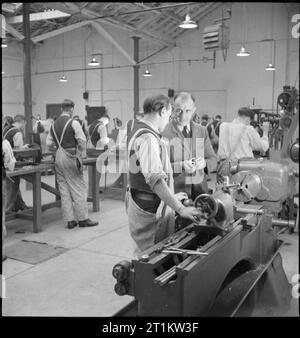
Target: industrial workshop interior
x=150, y=156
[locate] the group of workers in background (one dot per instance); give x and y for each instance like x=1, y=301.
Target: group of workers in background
x=160, y=176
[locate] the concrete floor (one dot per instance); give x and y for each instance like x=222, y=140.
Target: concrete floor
x=79, y=282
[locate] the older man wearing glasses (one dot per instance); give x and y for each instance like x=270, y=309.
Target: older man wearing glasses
x=191, y=152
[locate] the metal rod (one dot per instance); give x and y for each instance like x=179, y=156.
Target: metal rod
x=27, y=71
x=249, y=211
x=283, y=223
x=95, y=68
x=136, y=104
x=149, y=56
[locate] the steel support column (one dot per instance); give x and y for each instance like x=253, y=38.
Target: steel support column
x=136, y=75
x=27, y=72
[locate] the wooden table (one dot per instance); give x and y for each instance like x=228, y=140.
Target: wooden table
x=32, y=174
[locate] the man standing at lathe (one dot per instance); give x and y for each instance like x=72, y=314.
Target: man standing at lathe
x=191, y=152
x=150, y=199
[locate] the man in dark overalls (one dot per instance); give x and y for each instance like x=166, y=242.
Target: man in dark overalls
x=98, y=132
x=67, y=137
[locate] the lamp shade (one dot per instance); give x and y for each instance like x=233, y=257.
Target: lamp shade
x=147, y=73
x=94, y=62
x=63, y=79
x=243, y=52
x=188, y=23
x=270, y=67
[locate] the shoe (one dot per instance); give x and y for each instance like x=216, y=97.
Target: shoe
x=72, y=224
x=4, y=258
x=87, y=223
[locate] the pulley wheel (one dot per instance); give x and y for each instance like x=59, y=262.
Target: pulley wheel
x=207, y=204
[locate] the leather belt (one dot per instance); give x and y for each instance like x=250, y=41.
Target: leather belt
x=71, y=150
x=143, y=195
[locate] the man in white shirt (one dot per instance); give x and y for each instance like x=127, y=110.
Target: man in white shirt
x=238, y=139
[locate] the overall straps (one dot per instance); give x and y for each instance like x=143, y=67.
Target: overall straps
x=62, y=134
x=138, y=133
x=96, y=127
x=13, y=128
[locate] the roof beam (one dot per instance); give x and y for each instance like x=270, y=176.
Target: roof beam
x=60, y=31
x=73, y=9
x=169, y=13
x=10, y=7
x=109, y=38
x=38, y=16
x=14, y=32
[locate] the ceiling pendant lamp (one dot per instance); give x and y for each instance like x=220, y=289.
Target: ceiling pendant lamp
x=147, y=73
x=63, y=79
x=243, y=52
x=94, y=62
x=3, y=43
x=270, y=67
x=188, y=23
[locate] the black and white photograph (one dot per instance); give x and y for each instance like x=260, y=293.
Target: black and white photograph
x=150, y=163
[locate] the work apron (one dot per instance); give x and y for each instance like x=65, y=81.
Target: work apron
x=148, y=228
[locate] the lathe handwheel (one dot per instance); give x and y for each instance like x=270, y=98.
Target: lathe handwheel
x=207, y=204
x=121, y=270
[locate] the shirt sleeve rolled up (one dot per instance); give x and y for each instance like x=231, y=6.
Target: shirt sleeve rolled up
x=148, y=154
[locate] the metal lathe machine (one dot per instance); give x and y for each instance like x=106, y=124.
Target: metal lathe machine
x=228, y=263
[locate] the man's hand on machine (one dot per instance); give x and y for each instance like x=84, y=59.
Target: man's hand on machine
x=189, y=212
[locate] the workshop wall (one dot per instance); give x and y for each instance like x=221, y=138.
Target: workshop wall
x=232, y=84
x=12, y=87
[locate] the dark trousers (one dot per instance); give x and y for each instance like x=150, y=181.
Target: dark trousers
x=14, y=200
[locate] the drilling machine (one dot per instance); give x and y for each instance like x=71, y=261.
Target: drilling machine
x=225, y=264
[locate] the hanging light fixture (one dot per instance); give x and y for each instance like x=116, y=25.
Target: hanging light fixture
x=94, y=62
x=3, y=43
x=147, y=73
x=188, y=23
x=63, y=77
x=271, y=66
x=243, y=51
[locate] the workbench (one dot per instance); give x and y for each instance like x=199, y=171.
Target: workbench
x=33, y=175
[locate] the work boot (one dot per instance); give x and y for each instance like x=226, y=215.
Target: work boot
x=87, y=223
x=72, y=224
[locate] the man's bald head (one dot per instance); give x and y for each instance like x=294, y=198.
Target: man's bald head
x=181, y=98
